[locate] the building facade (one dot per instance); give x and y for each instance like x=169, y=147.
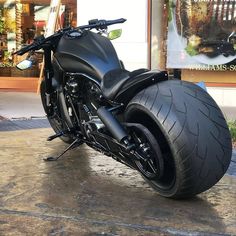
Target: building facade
x=158, y=34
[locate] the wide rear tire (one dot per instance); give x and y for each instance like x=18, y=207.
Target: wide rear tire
x=191, y=131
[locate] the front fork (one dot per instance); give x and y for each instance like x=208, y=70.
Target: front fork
x=48, y=74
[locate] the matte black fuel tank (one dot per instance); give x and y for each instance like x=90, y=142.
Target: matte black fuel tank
x=90, y=53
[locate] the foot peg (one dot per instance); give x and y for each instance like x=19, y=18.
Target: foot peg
x=57, y=135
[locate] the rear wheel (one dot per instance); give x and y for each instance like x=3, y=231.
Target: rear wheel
x=148, y=155
x=191, y=132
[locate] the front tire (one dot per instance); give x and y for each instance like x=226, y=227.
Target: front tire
x=55, y=117
x=191, y=131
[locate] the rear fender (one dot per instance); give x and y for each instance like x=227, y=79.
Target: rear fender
x=140, y=82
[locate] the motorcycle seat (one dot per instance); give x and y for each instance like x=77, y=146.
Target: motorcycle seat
x=114, y=81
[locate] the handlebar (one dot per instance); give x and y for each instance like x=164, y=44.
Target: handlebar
x=93, y=24
x=101, y=24
x=26, y=49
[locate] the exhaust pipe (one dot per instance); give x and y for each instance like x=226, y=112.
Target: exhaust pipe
x=112, y=124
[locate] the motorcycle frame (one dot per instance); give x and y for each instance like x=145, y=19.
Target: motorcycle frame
x=115, y=141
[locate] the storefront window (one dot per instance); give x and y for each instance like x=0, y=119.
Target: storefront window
x=202, y=34
x=21, y=22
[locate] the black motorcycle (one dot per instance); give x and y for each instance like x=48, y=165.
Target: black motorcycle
x=171, y=131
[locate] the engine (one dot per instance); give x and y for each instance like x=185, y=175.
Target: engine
x=84, y=97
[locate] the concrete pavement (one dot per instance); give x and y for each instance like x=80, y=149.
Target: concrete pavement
x=87, y=193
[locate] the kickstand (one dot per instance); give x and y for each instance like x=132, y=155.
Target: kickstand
x=59, y=156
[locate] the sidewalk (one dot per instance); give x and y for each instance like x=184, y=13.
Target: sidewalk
x=20, y=105
x=229, y=112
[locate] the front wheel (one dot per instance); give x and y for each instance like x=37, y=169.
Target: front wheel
x=191, y=132
x=55, y=116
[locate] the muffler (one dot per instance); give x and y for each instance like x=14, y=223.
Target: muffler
x=111, y=123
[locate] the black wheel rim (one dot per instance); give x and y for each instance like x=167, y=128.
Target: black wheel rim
x=150, y=162
x=168, y=178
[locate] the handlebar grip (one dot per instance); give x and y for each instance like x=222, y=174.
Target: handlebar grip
x=117, y=21
x=25, y=49
x=102, y=24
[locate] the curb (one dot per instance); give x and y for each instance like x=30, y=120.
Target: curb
x=23, y=124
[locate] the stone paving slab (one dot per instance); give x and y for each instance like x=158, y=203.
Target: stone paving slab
x=87, y=193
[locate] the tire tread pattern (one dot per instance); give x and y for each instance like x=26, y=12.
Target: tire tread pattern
x=195, y=129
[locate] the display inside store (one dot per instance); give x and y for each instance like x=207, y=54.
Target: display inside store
x=202, y=34
x=20, y=23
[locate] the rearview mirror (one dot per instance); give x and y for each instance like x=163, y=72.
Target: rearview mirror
x=25, y=64
x=114, y=34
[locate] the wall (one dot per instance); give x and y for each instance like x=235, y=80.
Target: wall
x=132, y=47
x=221, y=85
x=158, y=34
